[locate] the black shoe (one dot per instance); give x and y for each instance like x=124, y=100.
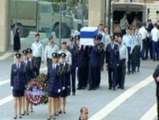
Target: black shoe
x=114, y=88
x=27, y=113
x=64, y=112
x=60, y=112
x=24, y=113
x=20, y=116
x=49, y=118
x=79, y=88
x=110, y=88
x=90, y=89
x=73, y=94
x=15, y=117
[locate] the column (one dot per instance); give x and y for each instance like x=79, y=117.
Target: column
x=4, y=25
x=95, y=12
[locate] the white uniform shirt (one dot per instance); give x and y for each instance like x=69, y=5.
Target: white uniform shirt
x=155, y=34
x=106, y=39
x=127, y=40
x=143, y=32
x=38, y=50
x=123, y=52
x=68, y=56
x=49, y=49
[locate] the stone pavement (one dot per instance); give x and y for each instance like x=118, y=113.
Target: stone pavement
x=132, y=109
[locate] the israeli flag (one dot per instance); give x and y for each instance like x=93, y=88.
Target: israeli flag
x=87, y=35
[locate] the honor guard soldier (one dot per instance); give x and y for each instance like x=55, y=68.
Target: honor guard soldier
x=17, y=84
x=144, y=34
x=156, y=78
x=38, y=52
x=112, y=61
x=95, y=62
x=49, y=49
x=155, y=47
x=65, y=70
x=30, y=73
x=123, y=59
x=127, y=40
x=82, y=67
x=73, y=49
x=26, y=68
x=54, y=87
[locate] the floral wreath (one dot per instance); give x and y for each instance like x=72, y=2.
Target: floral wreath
x=36, y=90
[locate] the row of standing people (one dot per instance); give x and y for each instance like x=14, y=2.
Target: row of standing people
x=58, y=78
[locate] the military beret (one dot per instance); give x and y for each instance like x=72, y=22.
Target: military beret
x=55, y=55
x=63, y=55
x=29, y=50
x=24, y=52
x=18, y=55
x=77, y=37
x=98, y=37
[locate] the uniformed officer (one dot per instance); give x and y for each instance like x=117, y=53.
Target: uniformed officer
x=135, y=50
x=49, y=49
x=95, y=63
x=82, y=66
x=38, y=52
x=26, y=67
x=112, y=61
x=30, y=73
x=144, y=34
x=156, y=78
x=64, y=50
x=17, y=84
x=65, y=70
x=123, y=56
x=127, y=40
x=73, y=49
x=155, y=47
x=54, y=87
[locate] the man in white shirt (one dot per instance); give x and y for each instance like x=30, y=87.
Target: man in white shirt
x=64, y=50
x=100, y=31
x=127, y=40
x=49, y=49
x=123, y=56
x=144, y=34
x=155, y=38
x=38, y=52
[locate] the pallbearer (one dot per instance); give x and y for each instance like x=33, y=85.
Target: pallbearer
x=65, y=79
x=53, y=86
x=17, y=84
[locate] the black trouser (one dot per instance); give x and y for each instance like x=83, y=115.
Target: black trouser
x=121, y=73
x=129, y=59
x=102, y=61
x=123, y=32
x=94, y=77
x=158, y=107
x=73, y=79
x=81, y=77
x=144, y=49
x=112, y=76
x=38, y=64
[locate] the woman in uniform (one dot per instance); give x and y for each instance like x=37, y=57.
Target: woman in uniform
x=25, y=63
x=65, y=79
x=17, y=84
x=53, y=86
